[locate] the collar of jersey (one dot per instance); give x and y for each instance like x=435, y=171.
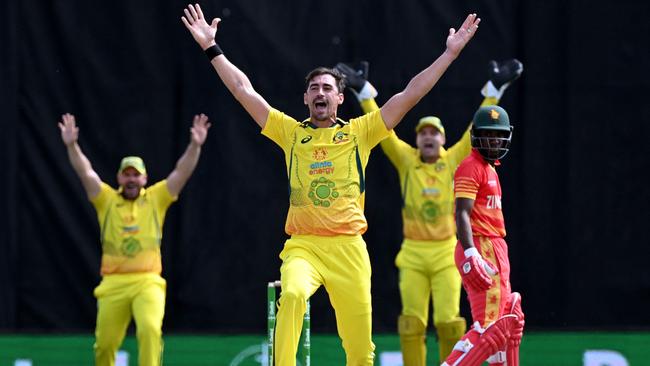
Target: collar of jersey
x=307, y=123
x=478, y=154
x=442, y=154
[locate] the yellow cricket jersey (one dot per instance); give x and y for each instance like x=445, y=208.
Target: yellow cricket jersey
x=131, y=231
x=427, y=189
x=325, y=167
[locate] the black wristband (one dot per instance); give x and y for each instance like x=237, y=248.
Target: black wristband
x=213, y=51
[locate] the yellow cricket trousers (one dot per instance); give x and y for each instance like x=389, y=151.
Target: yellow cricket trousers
x=341, y=264
x=427, y=271
x=120, y=297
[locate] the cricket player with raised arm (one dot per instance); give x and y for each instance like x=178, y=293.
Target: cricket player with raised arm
x=131, y=220
x=326, y=159
x=427, y=273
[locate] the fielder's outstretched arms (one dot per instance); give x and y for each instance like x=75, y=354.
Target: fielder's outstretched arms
x=392, y=112
x=175, y=180
x=131, y=219
x=326, y=159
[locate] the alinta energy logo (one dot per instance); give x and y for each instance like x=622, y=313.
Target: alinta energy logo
x=432, y=192
x=130, y=229
x=321, y=167
x=322, y=192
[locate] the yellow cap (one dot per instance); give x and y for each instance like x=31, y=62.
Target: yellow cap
x=430, y=121
x=134, y=162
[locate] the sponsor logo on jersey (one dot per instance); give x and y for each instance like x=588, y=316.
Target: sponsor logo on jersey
x=430, y=192
x=430, y=211
x=130, y=247
x=492, y=183
x=340, y=137
x=321, y=167
x=322, y=192
x=306, y=139
x=440, y=166
x=320, y=154
x=130, y=230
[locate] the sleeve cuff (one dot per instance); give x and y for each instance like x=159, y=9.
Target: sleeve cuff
x=489, y=90
x=367, y=92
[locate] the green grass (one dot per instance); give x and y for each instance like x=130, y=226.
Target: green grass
x=538, y=348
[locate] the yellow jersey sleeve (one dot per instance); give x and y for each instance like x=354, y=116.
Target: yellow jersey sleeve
x=278, y=128
x=159, y=193
x=460, y=150
x=398, y=152
x=371, y=128
x=369, y=105
x=101, y=202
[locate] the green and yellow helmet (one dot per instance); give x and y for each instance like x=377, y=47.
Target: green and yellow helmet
x=491, y=132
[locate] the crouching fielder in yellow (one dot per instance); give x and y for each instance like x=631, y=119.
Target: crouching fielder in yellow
x=131, y=220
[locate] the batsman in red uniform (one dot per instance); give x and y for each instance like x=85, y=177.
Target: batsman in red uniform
x=482, y=253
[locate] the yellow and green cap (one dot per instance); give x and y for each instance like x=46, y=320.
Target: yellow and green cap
x=430, y=121
x=133, y=161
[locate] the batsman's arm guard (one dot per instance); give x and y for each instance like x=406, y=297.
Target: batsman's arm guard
x=500, y=76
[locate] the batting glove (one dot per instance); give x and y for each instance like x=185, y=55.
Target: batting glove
x=356, y=80
x=500, y=76
x=475, y=271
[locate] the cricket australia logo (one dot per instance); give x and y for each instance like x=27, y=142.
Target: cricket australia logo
x=322, y=192
x=340, y=137
x=131, y=247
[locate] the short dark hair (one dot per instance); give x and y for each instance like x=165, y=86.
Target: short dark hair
x=340, y=79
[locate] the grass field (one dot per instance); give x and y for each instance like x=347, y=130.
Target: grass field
x=538, y=349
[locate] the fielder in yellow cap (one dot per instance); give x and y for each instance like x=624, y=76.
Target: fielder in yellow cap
x=430, y=121
x=131, y=219
x=134, y=162
x=427, y=272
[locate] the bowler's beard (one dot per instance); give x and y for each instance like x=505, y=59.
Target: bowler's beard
x=130, y=191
